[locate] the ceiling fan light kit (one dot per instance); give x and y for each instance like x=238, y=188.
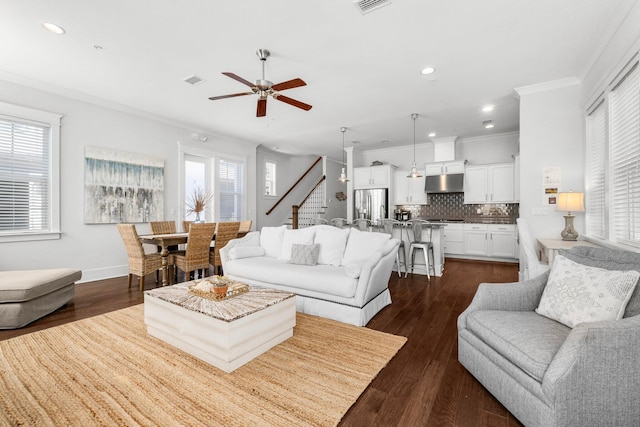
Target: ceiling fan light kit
x=265, y=88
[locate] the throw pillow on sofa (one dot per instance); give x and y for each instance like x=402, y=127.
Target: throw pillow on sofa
x=271, y=240
x=304, y=254
x=362, y=244
x=301, y=236
x=332, y=241
x=239, y=252
x=577, y=293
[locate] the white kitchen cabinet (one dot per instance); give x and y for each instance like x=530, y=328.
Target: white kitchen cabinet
x=453, y=239
x=444, y=168
x=490, y=240
x=489, y=183
x=502, y=240
x=409, y=191
x=372, y=177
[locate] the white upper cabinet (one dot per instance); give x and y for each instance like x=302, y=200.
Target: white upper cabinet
x=409, y=191
x=489, y=183
x=444, y=168
x=372, y=177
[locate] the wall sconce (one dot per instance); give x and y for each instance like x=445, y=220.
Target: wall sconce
x=570, y=202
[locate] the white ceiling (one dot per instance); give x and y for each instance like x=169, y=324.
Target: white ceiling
x=362, y=71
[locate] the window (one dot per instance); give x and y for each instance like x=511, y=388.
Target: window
x=195, y=179
x=231, y=194
x=29, y=174
x=270, y=179
x=613, y=161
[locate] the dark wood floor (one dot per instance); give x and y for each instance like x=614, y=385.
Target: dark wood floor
x=423, y=385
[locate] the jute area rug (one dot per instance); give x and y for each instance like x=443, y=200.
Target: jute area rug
x=107, y=371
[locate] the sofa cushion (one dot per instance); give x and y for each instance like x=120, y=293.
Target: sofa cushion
x=318, y=278
x=304, y=254
x=524, y=338
x=332, y=241
x=577, y=293
x=25, y=285
x=239, y=251
x=361, y=244
x=271, y=240
x=301, y=236
x=609, y=259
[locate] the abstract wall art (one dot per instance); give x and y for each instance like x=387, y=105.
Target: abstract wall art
x=122, y=187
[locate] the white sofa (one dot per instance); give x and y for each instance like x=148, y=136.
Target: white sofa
x=349, y=283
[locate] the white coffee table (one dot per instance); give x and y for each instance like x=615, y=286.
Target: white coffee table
x=226, y=334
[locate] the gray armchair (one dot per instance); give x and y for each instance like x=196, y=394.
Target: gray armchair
x=545, y=373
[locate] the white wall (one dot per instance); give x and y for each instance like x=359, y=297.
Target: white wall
x=551, y=135
x=552, y=121
x=98, y=249
x=288, y=170
x=335, y=207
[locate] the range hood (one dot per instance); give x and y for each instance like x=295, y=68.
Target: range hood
x=444, y=150
x=453, y=183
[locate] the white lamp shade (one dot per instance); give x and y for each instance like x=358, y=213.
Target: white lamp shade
x=571, y=202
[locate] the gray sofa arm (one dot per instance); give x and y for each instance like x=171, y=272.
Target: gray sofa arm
x=516, y=296
x=594, y=371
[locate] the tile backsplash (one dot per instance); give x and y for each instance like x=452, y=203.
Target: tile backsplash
x=451, y=206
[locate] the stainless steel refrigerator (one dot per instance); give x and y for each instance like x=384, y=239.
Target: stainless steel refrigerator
x=371, y=204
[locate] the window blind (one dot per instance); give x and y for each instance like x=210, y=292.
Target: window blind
x=624, y=134
x=230, y=181
x=24, y=176
x=596, y=168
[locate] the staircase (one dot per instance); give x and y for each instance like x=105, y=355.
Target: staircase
x=311, y=208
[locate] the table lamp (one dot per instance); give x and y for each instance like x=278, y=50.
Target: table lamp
x=570, y=202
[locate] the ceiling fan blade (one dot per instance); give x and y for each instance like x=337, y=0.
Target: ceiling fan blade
x=240, y=79
x=213, y=98
x=293, y=102
x=262, y=108
x=289, y=84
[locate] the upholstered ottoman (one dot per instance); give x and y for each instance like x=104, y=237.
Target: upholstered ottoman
x=27, y=295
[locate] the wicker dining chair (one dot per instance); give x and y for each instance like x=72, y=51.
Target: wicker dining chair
x=185, y=226
x=245, y=227
x=140, y=263
x=196, y=256
x=226, y=231
x=164, y=227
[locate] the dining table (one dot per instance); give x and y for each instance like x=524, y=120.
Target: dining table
x=164, y=241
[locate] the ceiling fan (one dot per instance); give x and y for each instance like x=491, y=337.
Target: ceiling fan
x=264, y=88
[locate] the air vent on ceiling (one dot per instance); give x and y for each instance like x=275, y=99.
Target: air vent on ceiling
x=367, y=6
x=194, y=80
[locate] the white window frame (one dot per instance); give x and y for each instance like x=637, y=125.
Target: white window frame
x=52, y=121
x=243, y=162
x=274, y=194
x=613, y=218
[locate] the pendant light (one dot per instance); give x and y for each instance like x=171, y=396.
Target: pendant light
x=414, y=173
x=343, y=174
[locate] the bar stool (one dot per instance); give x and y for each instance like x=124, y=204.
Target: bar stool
x=418, y=226
x=362, y=224
x=387, y=227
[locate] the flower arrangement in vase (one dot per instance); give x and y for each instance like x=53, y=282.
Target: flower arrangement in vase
x=197, y=202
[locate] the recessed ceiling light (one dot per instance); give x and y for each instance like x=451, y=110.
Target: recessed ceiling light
x=428, y=70
x=487, y=124
x=488, y=108
x=275, y=147
x=53, y=28
x=384, y=142
x=432, y=134
x=355, y=142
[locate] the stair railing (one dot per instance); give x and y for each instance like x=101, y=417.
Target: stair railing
x=303, y=215
x=294, y=185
